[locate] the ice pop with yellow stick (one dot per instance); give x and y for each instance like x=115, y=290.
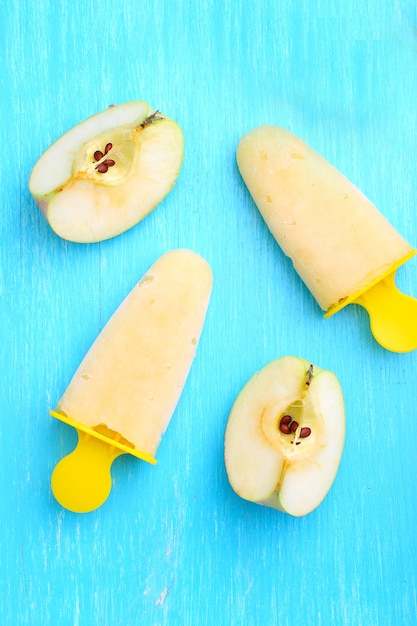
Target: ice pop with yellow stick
x=124, y=392
x=342, y=247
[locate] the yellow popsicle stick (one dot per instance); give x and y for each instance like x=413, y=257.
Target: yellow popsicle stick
x=81, y=481
x=393, y=314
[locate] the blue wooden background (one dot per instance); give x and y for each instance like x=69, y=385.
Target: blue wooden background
x=174, y=545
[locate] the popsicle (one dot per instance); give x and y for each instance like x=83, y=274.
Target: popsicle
x=123, y=394
x=342, y=247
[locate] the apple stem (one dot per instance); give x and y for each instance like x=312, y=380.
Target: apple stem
x=151, y=118
x=309, y=375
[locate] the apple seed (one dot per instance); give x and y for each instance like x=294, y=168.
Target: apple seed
x=284, y=424
x=104, y=166
x=294, y=425
x=305, y=432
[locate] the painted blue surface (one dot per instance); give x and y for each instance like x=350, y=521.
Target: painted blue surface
x=174, y=545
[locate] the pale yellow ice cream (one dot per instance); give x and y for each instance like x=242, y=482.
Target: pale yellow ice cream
x=336, y=238
x=130, y=381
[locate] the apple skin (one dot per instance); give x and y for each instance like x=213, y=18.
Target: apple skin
x=82, y=204
x=288, y=473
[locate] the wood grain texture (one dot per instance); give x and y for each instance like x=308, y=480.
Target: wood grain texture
x=174, y=545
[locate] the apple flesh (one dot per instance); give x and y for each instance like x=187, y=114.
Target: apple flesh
x=285, y=436
x=106, y=174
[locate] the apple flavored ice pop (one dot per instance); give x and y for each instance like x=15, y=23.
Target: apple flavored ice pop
x=340, y=244
x=124, y=392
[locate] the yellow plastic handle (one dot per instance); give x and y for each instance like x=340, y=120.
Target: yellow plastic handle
x=81, y=481
x=393, y=315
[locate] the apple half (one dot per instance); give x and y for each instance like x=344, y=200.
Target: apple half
x=106, y=174
x=285, y=436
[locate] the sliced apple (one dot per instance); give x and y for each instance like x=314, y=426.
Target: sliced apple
x=106, y=174
x=285, y=436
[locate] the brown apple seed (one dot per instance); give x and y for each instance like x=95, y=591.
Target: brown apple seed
x=98, y=155
x=284, y=428
x=286, y=419
x=102, y=168
x=305, y=432
x=294, y=426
